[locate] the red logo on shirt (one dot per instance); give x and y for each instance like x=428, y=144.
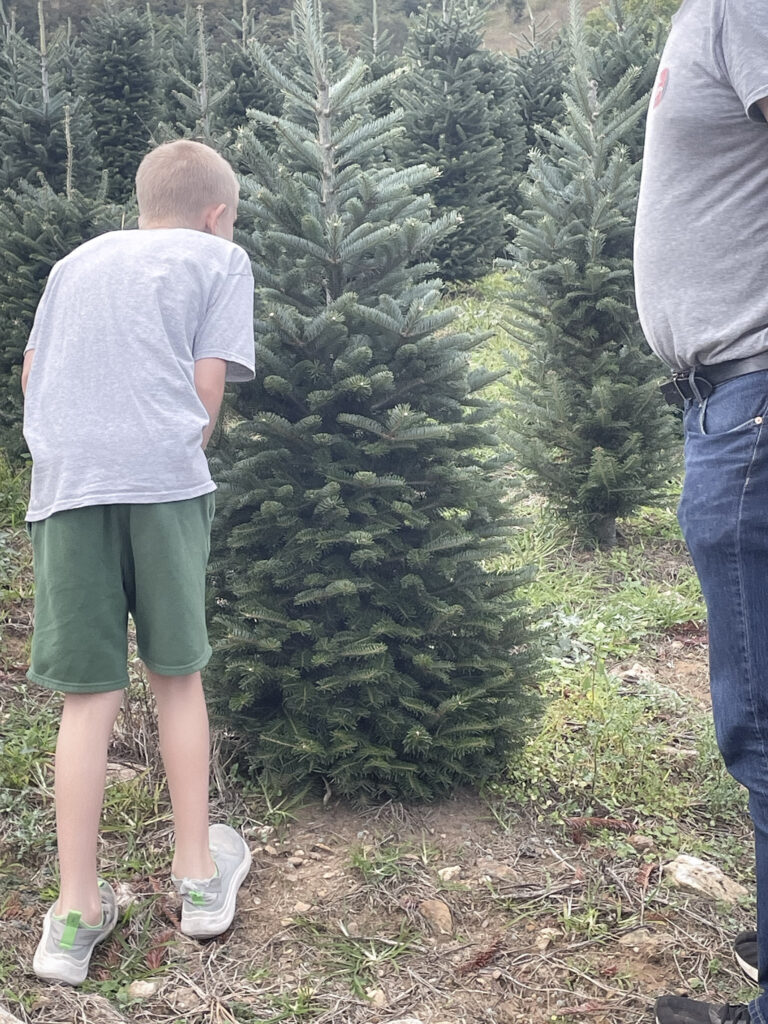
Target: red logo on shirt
x=661, y=87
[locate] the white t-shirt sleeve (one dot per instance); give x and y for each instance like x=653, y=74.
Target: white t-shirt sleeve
x=744, y=42
x=227, y=328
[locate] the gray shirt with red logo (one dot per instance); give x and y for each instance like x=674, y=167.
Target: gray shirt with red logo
x=701, y=243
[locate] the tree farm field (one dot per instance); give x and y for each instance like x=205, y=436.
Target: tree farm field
x=538, y=899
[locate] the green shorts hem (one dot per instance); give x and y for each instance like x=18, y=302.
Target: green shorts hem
x=57, y=684
x=178, y=670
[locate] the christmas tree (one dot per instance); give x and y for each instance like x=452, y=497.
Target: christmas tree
x=117, y=74
x=462, y=118
x=619, y=41
x=362, y=634
x=539, y=74
x=236, y=63
x=592, y=428
x=40, y=120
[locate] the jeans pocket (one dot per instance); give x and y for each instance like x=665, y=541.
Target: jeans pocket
x=736, y=405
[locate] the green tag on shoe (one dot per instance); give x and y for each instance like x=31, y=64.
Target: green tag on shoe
x=71, y=925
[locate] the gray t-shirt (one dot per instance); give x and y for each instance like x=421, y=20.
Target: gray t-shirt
x=111, y=414
x=702, y=221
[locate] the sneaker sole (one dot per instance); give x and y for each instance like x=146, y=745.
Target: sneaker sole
x=58, y=967
x=747, y=968
x=206, y=925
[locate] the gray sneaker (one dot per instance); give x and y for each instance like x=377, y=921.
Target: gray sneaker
x=64, y=951
x=208, y=907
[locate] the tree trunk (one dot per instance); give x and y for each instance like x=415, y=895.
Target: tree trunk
x=605, y=532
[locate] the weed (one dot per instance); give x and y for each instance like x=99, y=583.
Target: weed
x=28, y=730
x=14, y=493
x=359, y=960
x=386, y=861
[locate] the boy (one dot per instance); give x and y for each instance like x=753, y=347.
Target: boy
x=123, y=377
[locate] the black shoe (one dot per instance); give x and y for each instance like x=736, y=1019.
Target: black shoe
x=678, y=1010
x=745, y=951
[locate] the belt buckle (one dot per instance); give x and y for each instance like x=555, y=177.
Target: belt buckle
x=677, y=390
x=686, y=385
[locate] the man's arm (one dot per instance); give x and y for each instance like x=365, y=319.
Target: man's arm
x=210, y=376
x=25, y=370
x=763, y=104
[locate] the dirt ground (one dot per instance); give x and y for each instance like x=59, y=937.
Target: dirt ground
x=436, y=914
x=456, y=913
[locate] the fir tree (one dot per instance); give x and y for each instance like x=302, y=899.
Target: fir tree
x=362, y=635
x=40, y=120
x=202, y=101
x=236, y=63
x=539, y=74
x=592, y=428
x=118, y=76
x=462, y=119
x=38, y=227
x=619, y=41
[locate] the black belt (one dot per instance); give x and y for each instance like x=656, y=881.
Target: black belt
x=700, y=381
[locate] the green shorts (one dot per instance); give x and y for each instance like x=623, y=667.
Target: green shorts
x=94, y=566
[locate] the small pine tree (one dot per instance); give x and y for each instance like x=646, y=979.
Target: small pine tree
x=38, y=227
x=198, y=95
x=539, y=74
x=462, y=119
x=118, y=77
x=591, y=426
x=251, y=90
x=362, y=635
x=619, y=41
x=40, y=120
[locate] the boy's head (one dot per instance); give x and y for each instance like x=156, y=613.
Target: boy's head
x=186, y=184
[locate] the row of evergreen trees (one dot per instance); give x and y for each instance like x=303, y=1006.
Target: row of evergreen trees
x=363, y=636
x=129, y=78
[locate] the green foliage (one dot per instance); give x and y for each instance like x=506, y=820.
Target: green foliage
x=462, y=118
x=360, y=637
x=27, y=739
x=38, y=227
x=195, y=87
x=14, y=493
x=627, y=748
x=591, y=427
x=44, y=128
x=117, y=74
x=539, y=74
x=620, y=41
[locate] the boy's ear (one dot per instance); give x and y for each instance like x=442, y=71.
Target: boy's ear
x=212, y=216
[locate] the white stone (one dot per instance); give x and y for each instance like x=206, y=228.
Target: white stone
x=699, y=875
x=184, y=999
x=438, y=915
x=377, y=997
x=448, y=874
x=143, y=989
x=545, y=938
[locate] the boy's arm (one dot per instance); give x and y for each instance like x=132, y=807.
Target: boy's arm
x=25, y=370
x=210, y=375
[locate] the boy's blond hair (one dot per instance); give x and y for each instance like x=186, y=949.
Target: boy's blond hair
x=178, y=181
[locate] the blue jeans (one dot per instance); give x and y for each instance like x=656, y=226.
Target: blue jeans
x=724, y=518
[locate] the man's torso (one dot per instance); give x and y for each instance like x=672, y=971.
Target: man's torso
x=702, y=223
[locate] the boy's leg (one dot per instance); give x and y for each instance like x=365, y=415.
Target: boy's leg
x=182, y=719
x=81, y=762
x=169, y=544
